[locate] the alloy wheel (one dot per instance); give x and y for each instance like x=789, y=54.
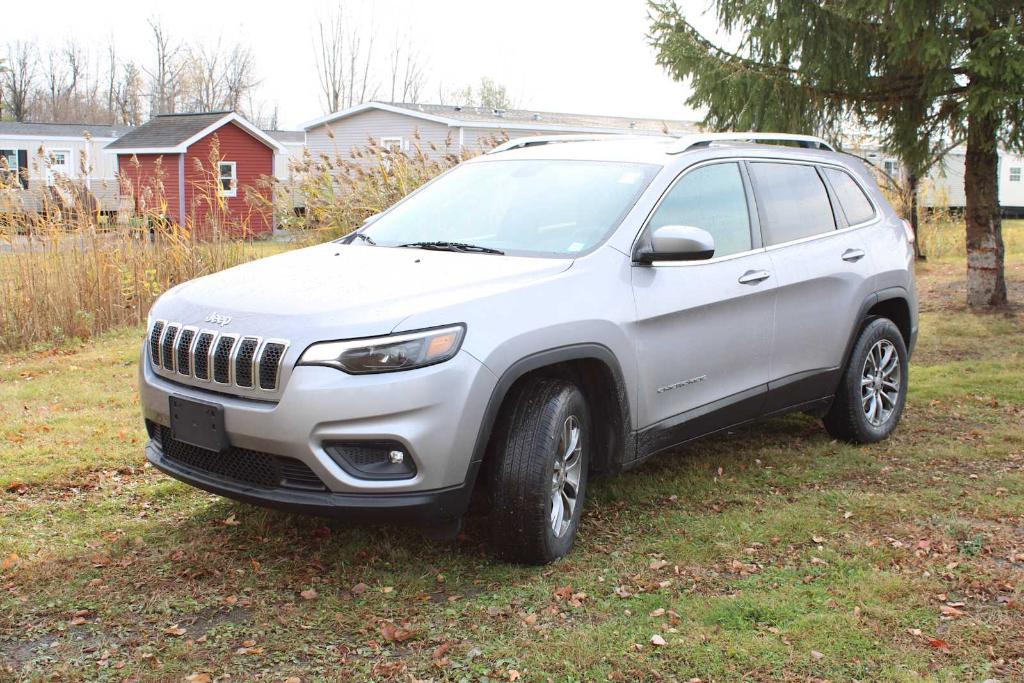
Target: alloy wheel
x=880, y=382
x=565, y=479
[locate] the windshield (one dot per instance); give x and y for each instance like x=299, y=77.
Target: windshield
x=525, y=207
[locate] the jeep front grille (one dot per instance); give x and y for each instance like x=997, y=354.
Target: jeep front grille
x=225, y=359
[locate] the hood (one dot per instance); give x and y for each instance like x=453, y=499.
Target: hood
x=335, y=291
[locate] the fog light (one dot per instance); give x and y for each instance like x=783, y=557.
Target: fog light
x=373, y=459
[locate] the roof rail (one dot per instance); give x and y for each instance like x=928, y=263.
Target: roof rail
x=688, y=142
x=535, y=140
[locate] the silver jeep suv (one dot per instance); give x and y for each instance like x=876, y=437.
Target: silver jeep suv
x=553, y=309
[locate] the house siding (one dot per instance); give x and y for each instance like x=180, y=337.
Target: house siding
x=150, y=183
x=100, y=168
x=254, y=163
x=1011, y=193
x=355, y=132
x=944, y=186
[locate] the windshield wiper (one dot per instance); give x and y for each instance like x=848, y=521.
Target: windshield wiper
x=453, y=246
x=366, y=238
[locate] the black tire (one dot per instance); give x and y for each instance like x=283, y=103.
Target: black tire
x=522, y=468
x=848, y=417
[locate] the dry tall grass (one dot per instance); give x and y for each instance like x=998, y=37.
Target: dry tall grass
x=339, y=190
x=70, y=270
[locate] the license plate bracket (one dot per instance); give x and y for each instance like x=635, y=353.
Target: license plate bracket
x=198, y=423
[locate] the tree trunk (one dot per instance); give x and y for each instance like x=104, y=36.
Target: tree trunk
x=913, y=183
x=986, y=284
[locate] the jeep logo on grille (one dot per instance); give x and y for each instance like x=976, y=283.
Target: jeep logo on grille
x=218, y=319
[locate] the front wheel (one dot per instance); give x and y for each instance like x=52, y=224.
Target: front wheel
x=873, y=390
x=538, y=479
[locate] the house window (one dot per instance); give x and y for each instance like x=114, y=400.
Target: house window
x=228, y=178
x=13, y=166
x=10, y=169
x=1015, y=174
x=393, y=144
x=892, y=168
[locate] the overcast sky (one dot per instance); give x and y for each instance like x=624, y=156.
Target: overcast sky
x=585, y=56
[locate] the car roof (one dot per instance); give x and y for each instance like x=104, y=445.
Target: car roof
x=664, y=151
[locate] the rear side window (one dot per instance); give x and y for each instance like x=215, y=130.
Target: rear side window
x=855, y=203
x=794, y=201
x=713, y=198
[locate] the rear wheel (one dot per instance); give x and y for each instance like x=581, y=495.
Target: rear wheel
x=538, y=478
x=873, y=391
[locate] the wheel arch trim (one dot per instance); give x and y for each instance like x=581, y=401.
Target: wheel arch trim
x=536, y=361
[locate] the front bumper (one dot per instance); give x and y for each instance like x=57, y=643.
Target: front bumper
x=426, y=506
x=435, y=413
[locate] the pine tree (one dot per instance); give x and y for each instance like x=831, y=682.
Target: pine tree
x=924, y=72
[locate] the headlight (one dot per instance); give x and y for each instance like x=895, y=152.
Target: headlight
x=388, y=354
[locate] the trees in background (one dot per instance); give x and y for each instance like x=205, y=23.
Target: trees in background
x=343, y=56
x=488, y=94
x=18, y=79
x=74, y=85
x=926, y=75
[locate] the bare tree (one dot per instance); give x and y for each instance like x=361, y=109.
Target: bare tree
x=205, y=88
x=239, y=76
x=219, y=78
x=18, y=80
x=128, y=96
x=261, y=113
x=329, y=51
x=112, y=68
x=61, y=74
x=167, y=74
x=343, y=62
x=407, y=75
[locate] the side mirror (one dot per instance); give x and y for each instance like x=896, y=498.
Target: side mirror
x=676, y=243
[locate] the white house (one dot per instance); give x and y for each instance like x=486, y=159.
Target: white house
x=42, y=151
x=944, y=185
x=455, y=129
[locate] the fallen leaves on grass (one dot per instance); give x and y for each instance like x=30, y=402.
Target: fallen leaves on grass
x=657, y=640
x=309, y=594
x=10, y=561
x=952, y=610
x=394, y=633
x=175, y=631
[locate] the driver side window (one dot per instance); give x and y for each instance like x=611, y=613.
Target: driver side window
x=712, y=198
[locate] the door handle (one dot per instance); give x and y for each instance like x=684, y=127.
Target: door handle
x=752, y=277
x=853, y=255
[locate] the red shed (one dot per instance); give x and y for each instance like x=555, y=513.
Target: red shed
x=200, y=170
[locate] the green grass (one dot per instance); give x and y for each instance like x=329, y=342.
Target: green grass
x=789, y=556
x=943, y=237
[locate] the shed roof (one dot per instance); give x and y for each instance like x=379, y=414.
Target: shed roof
x=512, y=119
x=62, y=130
x=174, y=133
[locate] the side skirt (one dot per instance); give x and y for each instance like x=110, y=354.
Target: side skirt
x=810, y=392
